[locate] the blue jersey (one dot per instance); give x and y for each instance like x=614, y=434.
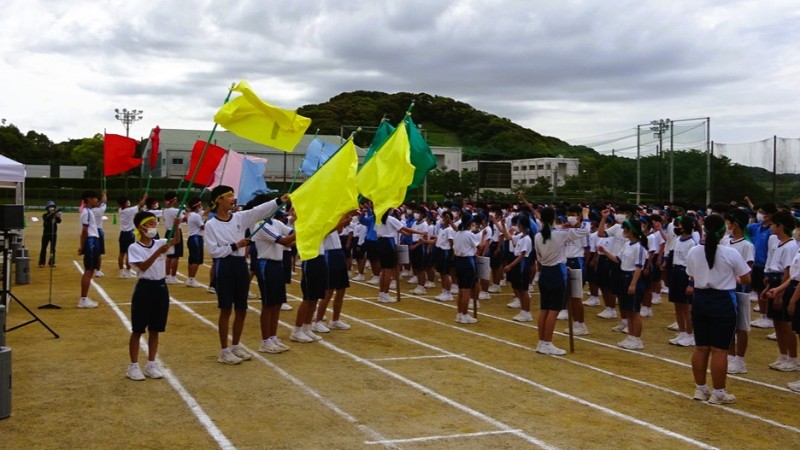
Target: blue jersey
x=759, y=235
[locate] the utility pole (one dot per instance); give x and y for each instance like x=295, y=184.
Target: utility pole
x=658, y=127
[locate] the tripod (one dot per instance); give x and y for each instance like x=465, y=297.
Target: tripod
x=5, y=293
x=52, y=262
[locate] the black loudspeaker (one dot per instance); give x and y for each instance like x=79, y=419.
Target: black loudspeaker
x=12, y=217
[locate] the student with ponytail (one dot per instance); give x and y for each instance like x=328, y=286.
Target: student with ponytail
x=551, y=254
x=714, y=271
x=631, y=260
x=467, y=243
x=678, y=282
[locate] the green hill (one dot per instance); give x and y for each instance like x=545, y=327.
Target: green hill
x=446, y=122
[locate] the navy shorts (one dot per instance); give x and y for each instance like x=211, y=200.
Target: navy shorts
x=553, y=288
x=603, y=271
x=386, y=252
x=287, y=266
x=495, y=256
x=149, y=306
x=757, y=278
x=252, y=253
x=178, y=250
x=338, y=278
x=591, y=271
x=358, y=252
x=466, y=272
x=126, y=238
x=314, y=281
x=520, y=275
x=102, y=234
x=195, y=244
x=678, y=282
x=371, y=249
x=91, y=253
x=271, y=284
x=418, y=257
x=781, y=314
x=630, y=302
x=774, y=279
x=714, y=318
x=443, y=260
x=233, y=282
x=347, y=249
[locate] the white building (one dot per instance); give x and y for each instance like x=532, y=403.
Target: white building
x=43, y=171
x=527, y=171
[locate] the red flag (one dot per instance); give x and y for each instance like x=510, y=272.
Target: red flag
x=118, y=154
x=205, y=173
x=153, y=144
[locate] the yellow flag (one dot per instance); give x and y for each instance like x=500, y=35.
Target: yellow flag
x=322, y=200
x=386, y=176
x=249, y=117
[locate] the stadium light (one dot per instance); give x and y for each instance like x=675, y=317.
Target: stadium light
x=128, y=117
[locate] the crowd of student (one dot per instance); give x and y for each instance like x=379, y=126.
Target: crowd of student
x=711, y=264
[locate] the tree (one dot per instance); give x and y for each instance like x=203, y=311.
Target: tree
x=90, y=154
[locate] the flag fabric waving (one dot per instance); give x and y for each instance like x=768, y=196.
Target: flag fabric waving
x=317, y=152
x=152, y=148
x=322, y=200
x=421, y=156
x=385, y=178
x=251, y=118
x=118, y=154
x=205, y=172
x=385, y=129
x=245, y=174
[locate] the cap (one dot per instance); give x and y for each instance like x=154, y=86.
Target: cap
x=50, y=203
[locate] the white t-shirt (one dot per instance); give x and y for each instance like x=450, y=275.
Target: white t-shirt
x=88, y=219
x=266, y=240
x=780, y=254
x=523, y=245
x=126, y=216
x=169, y=217
x=390, y=228
x=553, y=252
x=633, y=256
x=744, y=247
x=219, y=234
x=681, y=250
x=465, y=243
x=332, y=241
x=196, y=224
x=98, y=214
x=728, y=264
x=444, y=236
x=138, y=253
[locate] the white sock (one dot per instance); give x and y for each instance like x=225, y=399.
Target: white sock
x=719, y=392
x=703, y=388
x=135, y=364
x=298, y=329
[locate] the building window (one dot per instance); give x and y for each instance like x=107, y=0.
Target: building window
x=540, y=167
x=516, y=169
x=177, y=161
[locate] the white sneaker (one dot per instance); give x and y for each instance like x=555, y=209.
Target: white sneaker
x=563, y=315
x=631, y=343
x=429, y=284
x=763, y=322
x=280, y=344
x=593, y=300
x=676, y=339
x=413, y=280
x=523, y=316
x=673, y=326
x=241, y=353
x=608, y=313
x=310, y=334
x=299, y=336
x=152, y=371
x=656, y=299
x=359, y=277
x=444, y=297
x=646, y=311
x=99, y=273
x=483, y=295
x=228, y=358
x=267, y=346
x=757, y=308
x=724, y=399
x=788, y=366
x=737, y=366
x=134, y=372
x=385, y=298
x=686, y=341
x=320, y=327
x=374, y=280
x=579, y=329
x=169, y=279
x=502, y=283
x=393, y=285
x=86, y=303
x=133, y=273
x=338, y=325
x=467, y=319
x=404, y=273
x=548, y=348
x=211, y=290
x=192, y=283
x=753, y=297
x=419, y=290
x=665, y=290
x=514, y=303
x=175, y=280
x=701, y=395
x=124, y=274
x=454, y=289
x=494, y=289
x=286, y=307
x=475, y=303
x=778, y=362
x=772, y=336
x=794, y=386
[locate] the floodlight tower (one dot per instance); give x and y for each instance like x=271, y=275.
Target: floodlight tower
x=128, y=117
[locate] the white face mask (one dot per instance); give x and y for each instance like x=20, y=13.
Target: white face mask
x=572, y=220
x=503, y=211
x=620, y=217
x=417, y=216
x=151, y=232
x=759, y=217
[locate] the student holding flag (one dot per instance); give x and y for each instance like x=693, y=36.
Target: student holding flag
x=226, y=242
x=126, y=236
x=390, y=227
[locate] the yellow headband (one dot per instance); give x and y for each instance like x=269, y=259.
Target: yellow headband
x=221, y=195
x=146, y=220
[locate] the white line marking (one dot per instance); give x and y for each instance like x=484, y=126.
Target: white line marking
x=407, y=358
x=190, y=401
x=442, y=437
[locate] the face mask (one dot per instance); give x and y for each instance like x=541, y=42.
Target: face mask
x=417, y=216
x=473, y=228
x=151, y=232
x=155, y=206
x=504, y=211
x=620, y=218
x=759, y=217
x=572, y=220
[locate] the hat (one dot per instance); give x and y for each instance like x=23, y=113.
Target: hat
x=50, y=203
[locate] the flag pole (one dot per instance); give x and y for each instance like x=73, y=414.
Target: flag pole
x=147, y=187
x=199, y=161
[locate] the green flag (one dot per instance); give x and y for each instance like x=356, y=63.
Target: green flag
x=421, y=156
x=381, y=135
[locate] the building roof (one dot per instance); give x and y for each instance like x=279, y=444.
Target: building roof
x=174, y=139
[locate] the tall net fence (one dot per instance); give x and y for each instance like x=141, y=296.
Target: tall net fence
x=778, y=155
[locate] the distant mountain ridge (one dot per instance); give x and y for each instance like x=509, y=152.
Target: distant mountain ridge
x=446, y=122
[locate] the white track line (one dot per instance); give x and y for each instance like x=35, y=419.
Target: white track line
x=190, y=401
x=592, y=341
x=408, y=358
x=580, y=364
x=442, y=437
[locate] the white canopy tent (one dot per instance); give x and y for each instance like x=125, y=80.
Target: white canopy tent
x=12, y=175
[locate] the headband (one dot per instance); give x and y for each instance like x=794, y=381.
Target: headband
x=144, y=221
x=221, y=195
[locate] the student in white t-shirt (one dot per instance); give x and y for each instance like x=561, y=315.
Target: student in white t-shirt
x=126, y=237
x=89, y=247
x=737, y=221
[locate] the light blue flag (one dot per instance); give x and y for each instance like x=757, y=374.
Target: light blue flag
x=317, y=153
x=252, y=181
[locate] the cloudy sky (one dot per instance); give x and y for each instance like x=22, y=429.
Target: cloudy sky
x=565, y=68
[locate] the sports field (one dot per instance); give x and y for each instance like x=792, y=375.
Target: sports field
x=405, y=376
